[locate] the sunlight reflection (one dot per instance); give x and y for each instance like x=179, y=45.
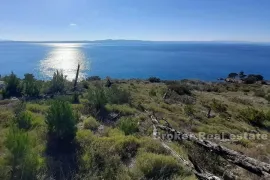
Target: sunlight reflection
x=64, y=57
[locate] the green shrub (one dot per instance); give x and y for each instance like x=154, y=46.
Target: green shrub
x=37, y=108
x=61, y=121
x=156, y=166
x=99, y=96
x=13, y=87
x=241, y=101
x=267, y=97
x=218, y=106
x=128, y=125
x=19, y=108
x=108, y=82
x=125, y=146
x=154, y=80
x=116, y=95
x=24, y=162
x=57, y=84
x=259, y=93
x=84, y=138
x=30, y=86
x=24, y=120
x=90, y=123
x=101, y=162
x=85, y=84
x=6, y=116
x=189, y=110
x=244, y=142
x=123, y=109
x=152, y=92
x=75, y=98
x=254, y=116
x=104, y=155
x=180, y=89
x=152, y=146
x=187, y=99
x=246, y=90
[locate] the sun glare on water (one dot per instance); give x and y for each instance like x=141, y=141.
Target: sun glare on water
x=64, y=57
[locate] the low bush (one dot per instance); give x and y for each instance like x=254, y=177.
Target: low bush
x=218, y=106
x=24, y=120
x=189, y=110
x=116, y=95
x=259, y=93
x=123, y=109
x=244, y=142
x=6, y=117
x=154, y=80
x=37, y=108
x=61, y=121
x=152, y=92
x=90, y=123
x=75, y=98
x=128, y=125
x=267, y=97
x=241, y=101
x=99, y=96
x=255, y=117
x=185, y=99
x=126, y=146
x=246, y=90
x=19, y=108
x=85, y=84
x=102, y=163
x=180, y=89
x=85, y=137
x=104, y=155
x=152, y=146
x=23, y=161
x=157, y=166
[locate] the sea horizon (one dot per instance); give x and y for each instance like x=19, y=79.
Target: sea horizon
x=126, y=59
x=139, y=40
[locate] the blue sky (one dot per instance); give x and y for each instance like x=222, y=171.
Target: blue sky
x=161, y=20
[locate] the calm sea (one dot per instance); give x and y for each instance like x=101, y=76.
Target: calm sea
x=206, y=61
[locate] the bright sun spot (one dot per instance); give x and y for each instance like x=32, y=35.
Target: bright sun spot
x=65, y=58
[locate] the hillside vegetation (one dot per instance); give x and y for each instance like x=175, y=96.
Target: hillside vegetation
x=104, y=130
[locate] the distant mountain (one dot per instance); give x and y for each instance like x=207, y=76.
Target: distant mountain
x=124, y=41
x=87, y=41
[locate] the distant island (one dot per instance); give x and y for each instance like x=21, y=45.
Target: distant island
x=138, y=41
